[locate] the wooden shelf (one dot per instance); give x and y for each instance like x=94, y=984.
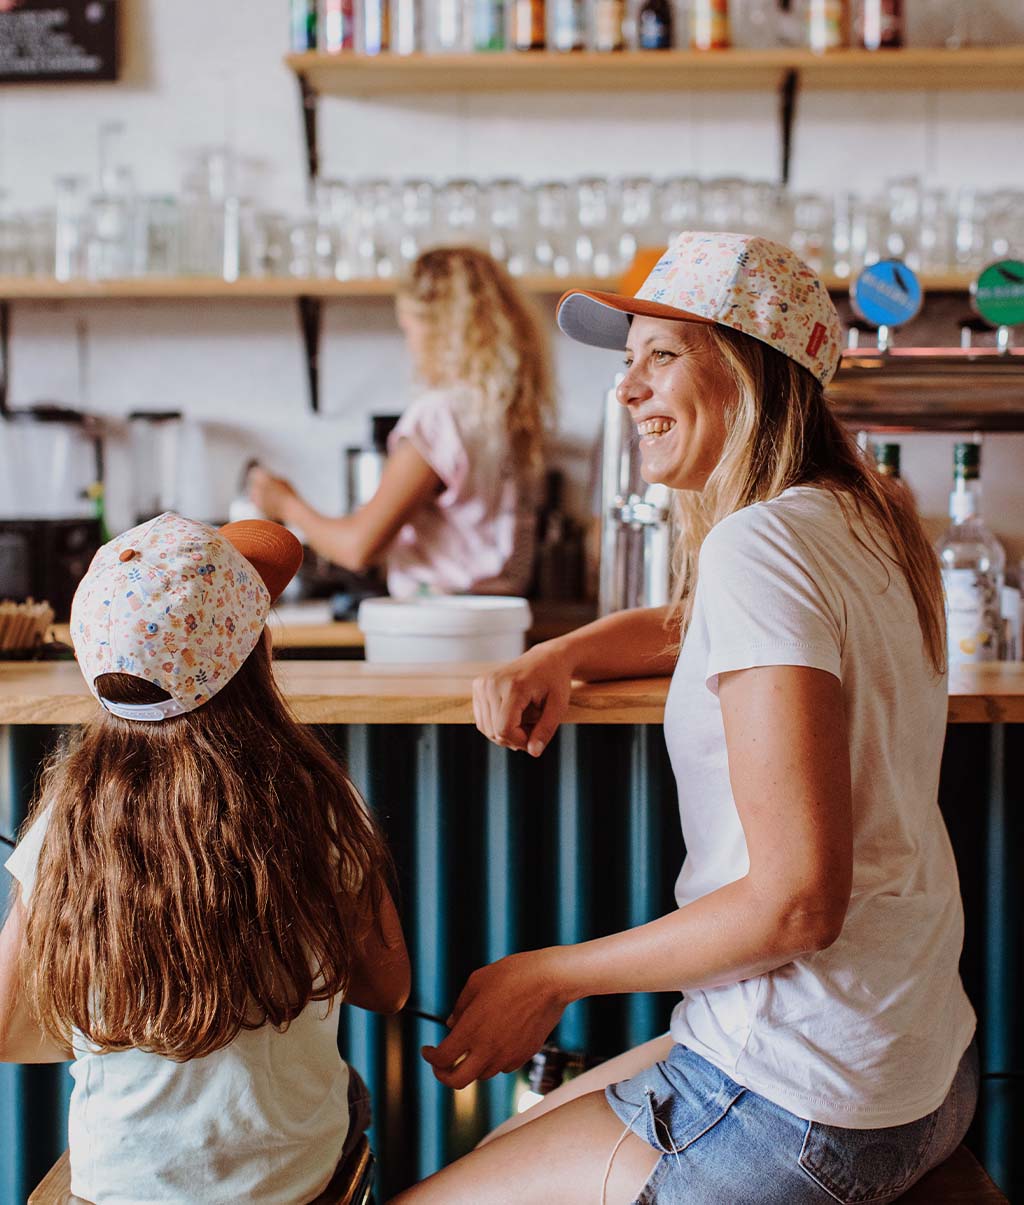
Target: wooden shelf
x=979, y=68
x=195, y=288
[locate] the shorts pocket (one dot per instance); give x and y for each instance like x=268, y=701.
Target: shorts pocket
x=861, y=1166
x=673, y=1123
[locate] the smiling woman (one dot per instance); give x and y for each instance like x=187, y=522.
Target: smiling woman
x=818, y=912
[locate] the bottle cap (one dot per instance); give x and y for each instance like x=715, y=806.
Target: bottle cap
x=998, y=293
x=887, y=293
x=967, y=461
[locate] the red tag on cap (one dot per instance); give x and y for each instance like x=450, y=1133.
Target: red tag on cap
x=817, y=338
x=129, y=554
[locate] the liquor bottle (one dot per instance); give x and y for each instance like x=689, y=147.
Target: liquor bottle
x=973, y=562
x=376, y=31
x=528, y=24
x=887, y=460
x=339, y=26
x=302, y=14
x=709, y=25
x=654, y=25
x=489, y=25
x=879, y=24
x=569, y=18
x=827, y=25
x=609, y=16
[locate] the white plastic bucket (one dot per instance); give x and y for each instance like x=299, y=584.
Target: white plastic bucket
x=463, y=627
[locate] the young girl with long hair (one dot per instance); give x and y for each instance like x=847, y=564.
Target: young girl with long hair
x=455, y=511
x=200, y=888
x=822, y=1049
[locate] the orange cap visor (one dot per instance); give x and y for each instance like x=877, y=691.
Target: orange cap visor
x=271, y=549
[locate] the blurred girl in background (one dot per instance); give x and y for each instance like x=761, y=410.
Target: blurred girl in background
x=455, y=511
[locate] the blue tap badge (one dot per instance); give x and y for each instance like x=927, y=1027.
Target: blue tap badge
x=887, y=293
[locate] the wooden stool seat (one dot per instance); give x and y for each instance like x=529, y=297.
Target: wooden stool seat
x=961, y=1180
x=350, y=1184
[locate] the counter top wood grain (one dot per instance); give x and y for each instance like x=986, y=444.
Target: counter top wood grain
x=354, y=692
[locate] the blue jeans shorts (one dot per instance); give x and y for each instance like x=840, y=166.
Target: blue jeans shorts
x=722, y=1144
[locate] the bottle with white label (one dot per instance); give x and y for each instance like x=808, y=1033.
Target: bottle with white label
x=973, y=563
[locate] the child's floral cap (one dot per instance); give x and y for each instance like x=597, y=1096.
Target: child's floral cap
x=742, y=281
x=179, y=604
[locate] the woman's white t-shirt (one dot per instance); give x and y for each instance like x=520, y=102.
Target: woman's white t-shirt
x=868, y=1032
x=262, y=1120
x=477, y=536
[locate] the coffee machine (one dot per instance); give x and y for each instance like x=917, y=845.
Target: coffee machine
x=51, y=489
x=636, y=521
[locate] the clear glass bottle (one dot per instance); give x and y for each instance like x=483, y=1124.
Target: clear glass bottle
x=973, y=562
x=609, y=16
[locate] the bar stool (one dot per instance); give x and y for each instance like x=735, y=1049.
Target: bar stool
x=351, y=1184
x=961, y=1180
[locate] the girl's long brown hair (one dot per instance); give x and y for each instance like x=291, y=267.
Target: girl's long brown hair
x=483, y=333
x=780, y=433
x=201, y=875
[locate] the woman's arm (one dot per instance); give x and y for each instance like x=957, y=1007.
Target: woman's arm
x=21, y=1039
x=521, y=704
x=353, y=541
x=785, y=730
x=380, y=977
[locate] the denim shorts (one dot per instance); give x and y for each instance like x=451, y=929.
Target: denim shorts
x=723, y=1144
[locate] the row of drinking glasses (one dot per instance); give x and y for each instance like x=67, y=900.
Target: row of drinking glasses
x=590, y=226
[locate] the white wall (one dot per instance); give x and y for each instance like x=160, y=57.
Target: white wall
x=202, y=72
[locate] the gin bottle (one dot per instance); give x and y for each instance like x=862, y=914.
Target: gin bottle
x=973, y=562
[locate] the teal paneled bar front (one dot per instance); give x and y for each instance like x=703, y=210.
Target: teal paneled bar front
x=497, y=852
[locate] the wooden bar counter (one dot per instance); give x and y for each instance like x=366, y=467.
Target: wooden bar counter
x=355, y=692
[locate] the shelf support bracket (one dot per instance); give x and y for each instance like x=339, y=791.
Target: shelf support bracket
x=787, y=111
x=5, y=356
x=309, y=317
x=309, y=101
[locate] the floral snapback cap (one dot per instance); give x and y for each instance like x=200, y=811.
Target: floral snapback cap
x=174, y=602
x=742, y=281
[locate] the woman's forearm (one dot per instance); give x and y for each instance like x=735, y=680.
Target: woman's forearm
x=641, y=643
x=337, y=539
x=730, y=934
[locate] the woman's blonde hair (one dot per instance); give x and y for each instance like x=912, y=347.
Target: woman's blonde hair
x=780, y=432
x=202, y=875
x=482, y=333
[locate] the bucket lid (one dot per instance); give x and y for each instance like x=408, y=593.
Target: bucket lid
x=444, y=615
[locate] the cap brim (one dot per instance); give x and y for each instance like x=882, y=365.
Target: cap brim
x=602, y=319
x=271, y=549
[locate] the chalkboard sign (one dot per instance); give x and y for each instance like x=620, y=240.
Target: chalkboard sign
x=50, y=40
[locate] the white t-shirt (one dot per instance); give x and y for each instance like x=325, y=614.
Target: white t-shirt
x=869, y=1032
x=262, y=1120
x=477, y=536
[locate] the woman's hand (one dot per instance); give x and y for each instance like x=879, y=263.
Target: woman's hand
x=501, y=1019
x=270, y=494
x=521, y=704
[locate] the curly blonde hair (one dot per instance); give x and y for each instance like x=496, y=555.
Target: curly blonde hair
x=482, y=333
x=781, y=432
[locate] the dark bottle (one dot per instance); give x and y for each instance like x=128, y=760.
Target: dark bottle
x=887, y=460
x=879, y=24
x=528, y=24
x=654, y=25
x=558, y=569
x=303, y=25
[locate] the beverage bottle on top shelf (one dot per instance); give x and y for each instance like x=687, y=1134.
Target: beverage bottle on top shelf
x=302, y=14
x=878, y=24
x=528, y=24
x=654, y=25
x=489, y=25
x=339, y=31
x=569, y=21
x=973, y=563
x=827, y=24
x=609, y=16
x=709, y=25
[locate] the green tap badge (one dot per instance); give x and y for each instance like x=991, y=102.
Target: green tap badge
x=998, y=293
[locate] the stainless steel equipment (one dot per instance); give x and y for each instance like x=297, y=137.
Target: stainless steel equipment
x=364, y=465
x=156, y=454
x=636, y=523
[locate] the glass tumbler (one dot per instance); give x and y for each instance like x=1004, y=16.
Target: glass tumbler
x=595, y=227
x=416, y=218
x=505, y=203
x=72, y=224
x=459, y=212
x=552, y=250
x=157, y=237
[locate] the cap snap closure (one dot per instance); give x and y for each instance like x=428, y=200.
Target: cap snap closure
x=129, y=554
